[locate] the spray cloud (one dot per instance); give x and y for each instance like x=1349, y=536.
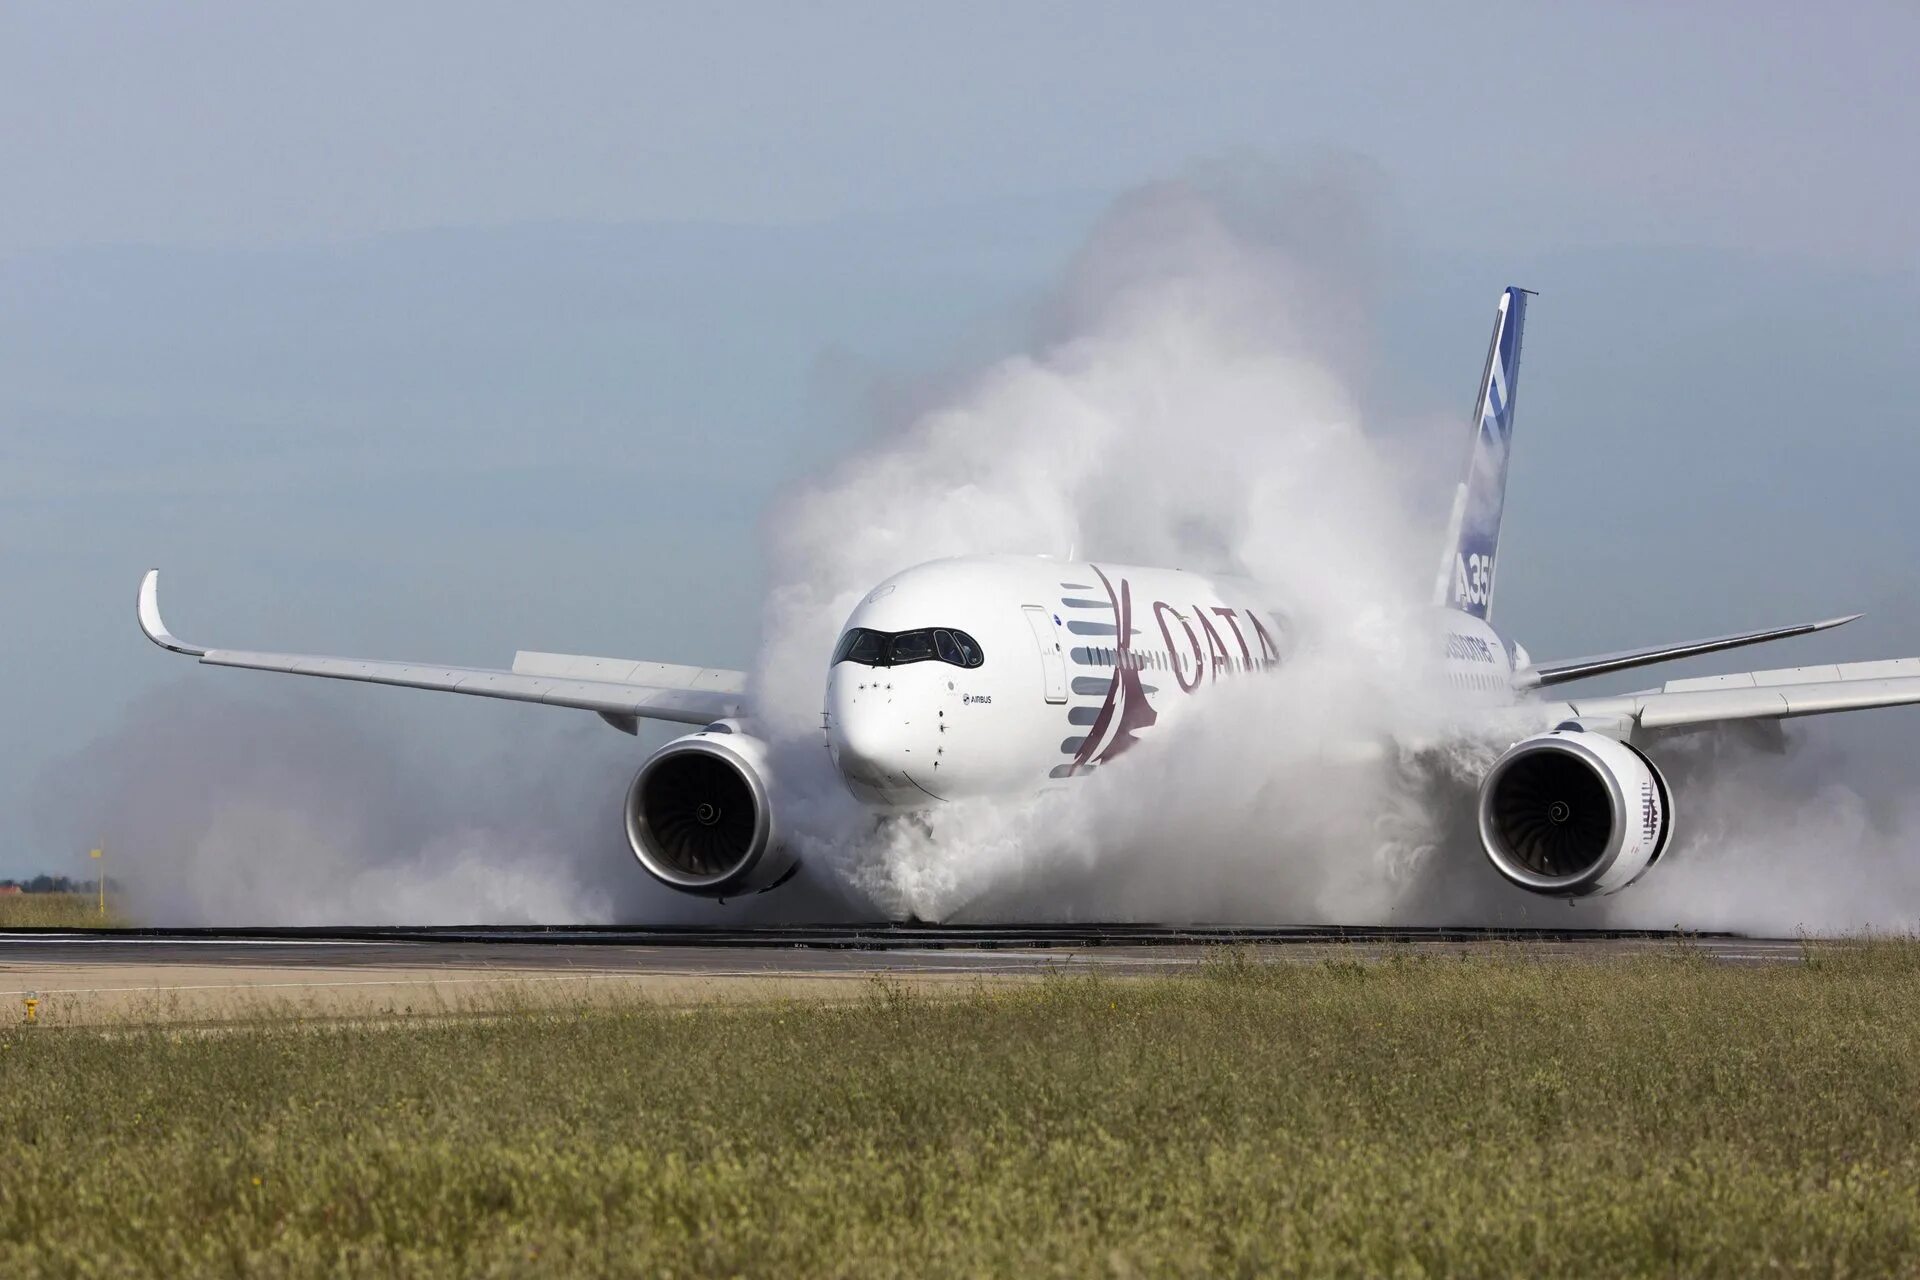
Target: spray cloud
x=295, y=806
x=1191, y=402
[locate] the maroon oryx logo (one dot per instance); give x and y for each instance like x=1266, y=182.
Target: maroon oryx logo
x=1125, y=710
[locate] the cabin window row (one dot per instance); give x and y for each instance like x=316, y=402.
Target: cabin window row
x=1155, y=660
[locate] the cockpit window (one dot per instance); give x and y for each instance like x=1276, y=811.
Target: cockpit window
x=881, y=649
x=911, y=646
x=868, y=648
x=969, y=648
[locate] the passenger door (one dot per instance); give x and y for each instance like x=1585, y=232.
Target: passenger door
x=1053, y=664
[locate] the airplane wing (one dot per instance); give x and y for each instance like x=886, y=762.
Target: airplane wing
x=1542, y=674
x=623, y=692
x=1756, y=695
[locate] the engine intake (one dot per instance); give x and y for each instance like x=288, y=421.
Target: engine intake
x=698, y=816
x=1572, y=813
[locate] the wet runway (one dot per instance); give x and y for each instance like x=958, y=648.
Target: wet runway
x=818, y=942
x=86, y=976
x=825, y=948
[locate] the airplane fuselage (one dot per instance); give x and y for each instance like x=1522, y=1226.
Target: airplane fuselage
x=999, y=674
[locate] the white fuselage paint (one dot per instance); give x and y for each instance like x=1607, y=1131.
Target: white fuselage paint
x=1080, y=661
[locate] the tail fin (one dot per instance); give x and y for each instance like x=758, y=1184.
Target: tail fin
x=1473, y=537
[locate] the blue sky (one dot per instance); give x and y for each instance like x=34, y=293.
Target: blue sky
x=443, y=331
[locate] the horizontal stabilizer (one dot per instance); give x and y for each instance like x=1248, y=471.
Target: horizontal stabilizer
x=1547, y=673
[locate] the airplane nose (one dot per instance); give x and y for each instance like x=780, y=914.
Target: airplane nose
x=881, y=737
x=869, y=743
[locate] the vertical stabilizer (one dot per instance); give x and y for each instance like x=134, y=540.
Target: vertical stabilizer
x=1473, y=535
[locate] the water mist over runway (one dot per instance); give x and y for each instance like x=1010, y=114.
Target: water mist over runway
x=294, y=806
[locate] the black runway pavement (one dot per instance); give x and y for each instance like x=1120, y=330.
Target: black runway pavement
x=827, y=949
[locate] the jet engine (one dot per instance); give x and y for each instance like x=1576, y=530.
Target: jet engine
x=1571, y=813
x=699, y=819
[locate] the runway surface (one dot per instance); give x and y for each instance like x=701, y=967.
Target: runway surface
x=143, y=975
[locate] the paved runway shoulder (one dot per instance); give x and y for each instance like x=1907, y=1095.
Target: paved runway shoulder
x=198, y=974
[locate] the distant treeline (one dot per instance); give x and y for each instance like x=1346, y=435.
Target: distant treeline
x=55, y=884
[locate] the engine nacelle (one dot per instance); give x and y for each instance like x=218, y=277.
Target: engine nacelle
x=1572, y=813
x=699, y=818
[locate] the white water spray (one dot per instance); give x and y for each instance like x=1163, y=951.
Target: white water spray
x=1190, y=407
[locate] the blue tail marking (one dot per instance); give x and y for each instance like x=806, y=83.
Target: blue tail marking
x=1473, y=541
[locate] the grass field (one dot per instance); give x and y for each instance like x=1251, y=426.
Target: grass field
x=57, y=911
x=1420, y=1116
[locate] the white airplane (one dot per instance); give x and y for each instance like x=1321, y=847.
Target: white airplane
x=1005, y=675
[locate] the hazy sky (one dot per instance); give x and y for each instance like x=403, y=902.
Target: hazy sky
x=439, y=330
x=1742, y=125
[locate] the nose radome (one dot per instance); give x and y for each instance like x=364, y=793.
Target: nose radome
x=868, y=741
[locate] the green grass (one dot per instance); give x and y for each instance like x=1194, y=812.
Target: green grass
x=57, y=911
x=1492, y=1116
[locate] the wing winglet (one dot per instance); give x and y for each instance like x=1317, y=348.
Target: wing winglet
x=150, y=622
